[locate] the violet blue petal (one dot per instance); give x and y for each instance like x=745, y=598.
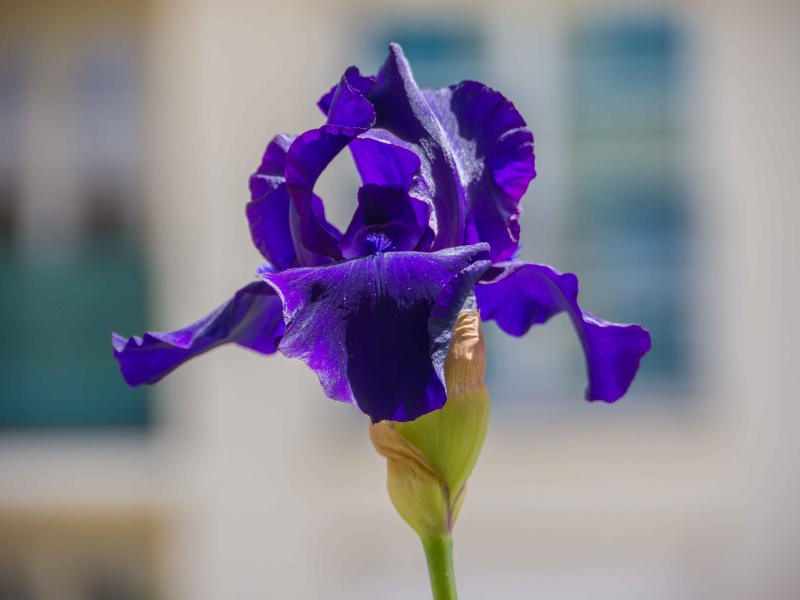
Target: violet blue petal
x=386, y=210
x=268, y=211
x=523, y=295
x=349, y=107
x=349, y=114
x=272, y=217
x=270, y=173
x=401, y=109
x=376, y=330
x=306, y=257
x=308, y=156
x=357, y=81
x=383, y=161
x=494, y=151
x=475, y=151
x=253, y=318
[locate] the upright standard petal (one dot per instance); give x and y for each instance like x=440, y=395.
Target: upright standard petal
x=349, y=114
x=522, y=295
x=253, y=318
x=383, y=159
x=475, y=152
x=376, y=330
x=401, y=109
x=268, y=212
x=355, y=80
x=494, y=152
x=308, y=156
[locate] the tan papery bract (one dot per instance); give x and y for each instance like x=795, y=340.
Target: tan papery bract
x=465, y=364
x=412, y=482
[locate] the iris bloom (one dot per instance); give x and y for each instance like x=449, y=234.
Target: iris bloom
x=371, y=310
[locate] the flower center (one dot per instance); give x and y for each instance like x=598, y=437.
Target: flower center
x=377, y=242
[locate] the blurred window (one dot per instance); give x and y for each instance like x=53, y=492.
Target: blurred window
x=441, y=51
x=12, y=91
x=628, y=221
x=71, y=256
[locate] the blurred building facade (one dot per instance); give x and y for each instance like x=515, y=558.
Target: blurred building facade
x=664, y=135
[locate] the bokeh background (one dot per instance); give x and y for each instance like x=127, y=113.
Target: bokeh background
x=666, y=141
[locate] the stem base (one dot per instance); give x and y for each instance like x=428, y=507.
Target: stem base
x=439, y=554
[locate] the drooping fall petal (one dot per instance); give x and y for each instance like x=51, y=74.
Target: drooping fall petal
x=253, y=318
x=523, y=295
x=376, y=330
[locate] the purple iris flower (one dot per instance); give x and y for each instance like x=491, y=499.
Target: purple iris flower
x=371, y=310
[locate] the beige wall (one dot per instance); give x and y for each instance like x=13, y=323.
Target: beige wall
x=289, y=495
x=268, y=490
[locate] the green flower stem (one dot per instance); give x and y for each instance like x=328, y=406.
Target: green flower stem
x=439, y=553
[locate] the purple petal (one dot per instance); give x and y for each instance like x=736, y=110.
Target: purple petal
x=383, y=161
x=494, y=151
x=362, y=84
x=270, y=174
x=349, y=107
x=349, y=114
x=523, y=295
x=253, y=318
x=321, y=227
x=474, y=152
x=402, y=110
x=273, y=220
x=268, y=211
x=307, y=158
x=387, y=211
x=376, y=329
x=272, y=217
x=269, y=227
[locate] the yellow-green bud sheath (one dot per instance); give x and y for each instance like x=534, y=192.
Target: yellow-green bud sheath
x=430, y=459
